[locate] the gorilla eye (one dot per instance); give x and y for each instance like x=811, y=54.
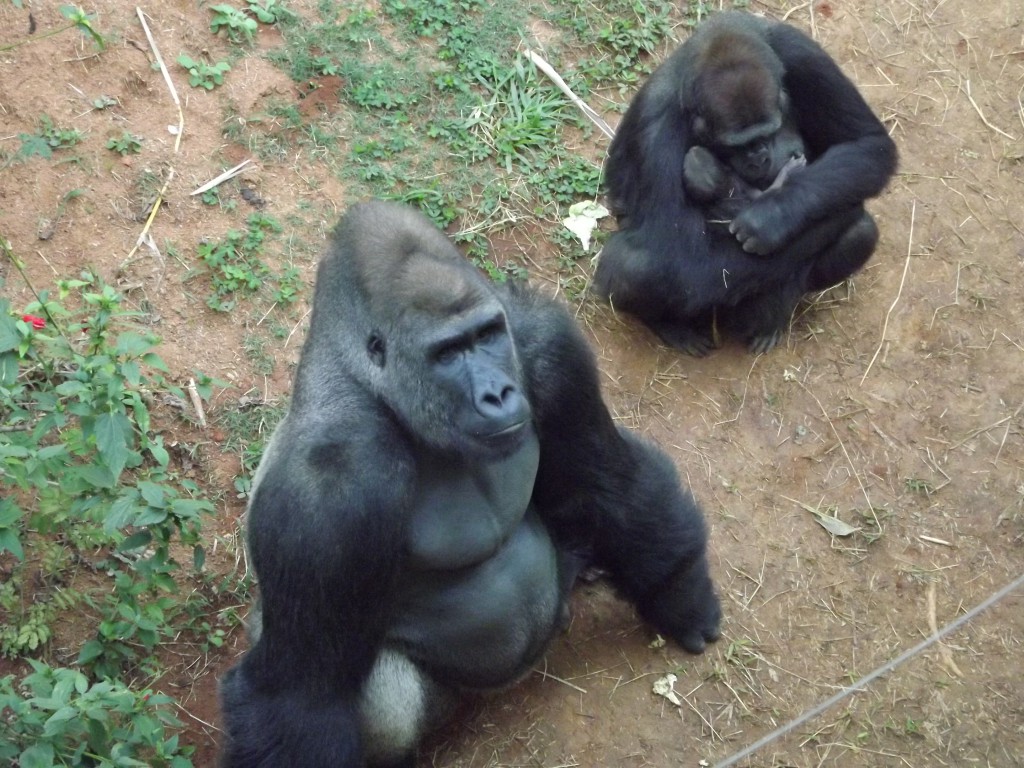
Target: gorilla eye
x=376, y=349
x=447, y=354
x=490, y=332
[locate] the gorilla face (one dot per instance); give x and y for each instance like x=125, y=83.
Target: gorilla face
x=456, y=381
x=760, y=159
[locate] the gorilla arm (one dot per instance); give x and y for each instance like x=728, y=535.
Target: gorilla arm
x=606, y=494
x=325, y=530
x=661, y=236
x=851, y=156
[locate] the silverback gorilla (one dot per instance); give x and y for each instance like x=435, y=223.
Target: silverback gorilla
x=738, y=88
x=446, y=468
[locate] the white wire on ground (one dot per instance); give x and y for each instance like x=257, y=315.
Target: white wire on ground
x=863, y=682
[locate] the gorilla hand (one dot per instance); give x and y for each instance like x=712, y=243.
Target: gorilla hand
x=686, y=608
x=762, y=227
x=705, y=178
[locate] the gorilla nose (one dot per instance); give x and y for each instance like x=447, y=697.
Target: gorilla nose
x=494, y=400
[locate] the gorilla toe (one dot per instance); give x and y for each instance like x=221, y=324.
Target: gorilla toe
x=692, y=341
x=765, y=342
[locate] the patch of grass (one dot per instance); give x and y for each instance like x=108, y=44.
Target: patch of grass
x=443, y=111
x=248, y=428
x=627, y=34
x=236, y=266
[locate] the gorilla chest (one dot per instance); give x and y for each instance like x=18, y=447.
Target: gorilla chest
x=463, y=511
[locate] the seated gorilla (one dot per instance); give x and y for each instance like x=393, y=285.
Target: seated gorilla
x=733, y=88
x=446, y=468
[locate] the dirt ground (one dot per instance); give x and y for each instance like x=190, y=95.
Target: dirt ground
x=897, y=403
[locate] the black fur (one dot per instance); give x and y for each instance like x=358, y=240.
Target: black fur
x=665, y=264
x=363, y=523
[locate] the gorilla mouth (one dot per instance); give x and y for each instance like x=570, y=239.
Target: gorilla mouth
x=501, y=434
x=503, y=438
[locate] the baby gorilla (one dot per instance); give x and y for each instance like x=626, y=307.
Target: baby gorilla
x=725, y=187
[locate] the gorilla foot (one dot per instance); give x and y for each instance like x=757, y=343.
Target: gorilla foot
x=765, y=342
x=698, y=343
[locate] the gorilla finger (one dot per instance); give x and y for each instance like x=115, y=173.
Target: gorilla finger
x=693, y=643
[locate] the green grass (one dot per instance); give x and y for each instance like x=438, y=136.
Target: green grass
x=440, y=108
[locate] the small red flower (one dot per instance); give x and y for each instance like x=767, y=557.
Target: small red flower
x=35, y=322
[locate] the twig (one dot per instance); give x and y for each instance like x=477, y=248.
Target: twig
x=944, y=652
x=177, y=140
x=547, y=675
x=296, y=327
x=585, y=108
x=228, y=174
x=906, y=267
x=167, y=78
x=197, y=402
x=967, y=92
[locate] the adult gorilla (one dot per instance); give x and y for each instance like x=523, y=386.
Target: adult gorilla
x=445, y=469
x=732, y=88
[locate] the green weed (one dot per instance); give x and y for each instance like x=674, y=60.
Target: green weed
x=203, y=75
x=58, y=717
x=125, y=144
x=236, y=267
x=77, y=18
x=236, y=24
x=48, y=138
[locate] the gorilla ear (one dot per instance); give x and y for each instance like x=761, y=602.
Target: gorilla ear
x=376, y=349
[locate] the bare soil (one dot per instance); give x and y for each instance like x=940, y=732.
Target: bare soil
x=896, y=404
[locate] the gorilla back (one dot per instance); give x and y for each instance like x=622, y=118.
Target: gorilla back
x=446, y=467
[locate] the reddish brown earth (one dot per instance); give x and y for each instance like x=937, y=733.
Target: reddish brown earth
x=898, y=399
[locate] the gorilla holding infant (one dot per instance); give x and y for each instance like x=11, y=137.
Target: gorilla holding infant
x=708, y=135
x=446, y=468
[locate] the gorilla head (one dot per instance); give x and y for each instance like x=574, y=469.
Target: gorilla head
x=741, y=107
x=424, y=331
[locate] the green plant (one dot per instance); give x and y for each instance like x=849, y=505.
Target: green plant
x=25, y=631
x=63, y=719
x=78, y=19
x=125, y=144
x=84, y=465
x=234, y=21
x=203, y=75
x=236, y=267
x=47, y=139
x=270, y=11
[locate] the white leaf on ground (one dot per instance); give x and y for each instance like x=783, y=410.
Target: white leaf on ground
x=665, y=686
x=834, y=525
x=583, y=217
